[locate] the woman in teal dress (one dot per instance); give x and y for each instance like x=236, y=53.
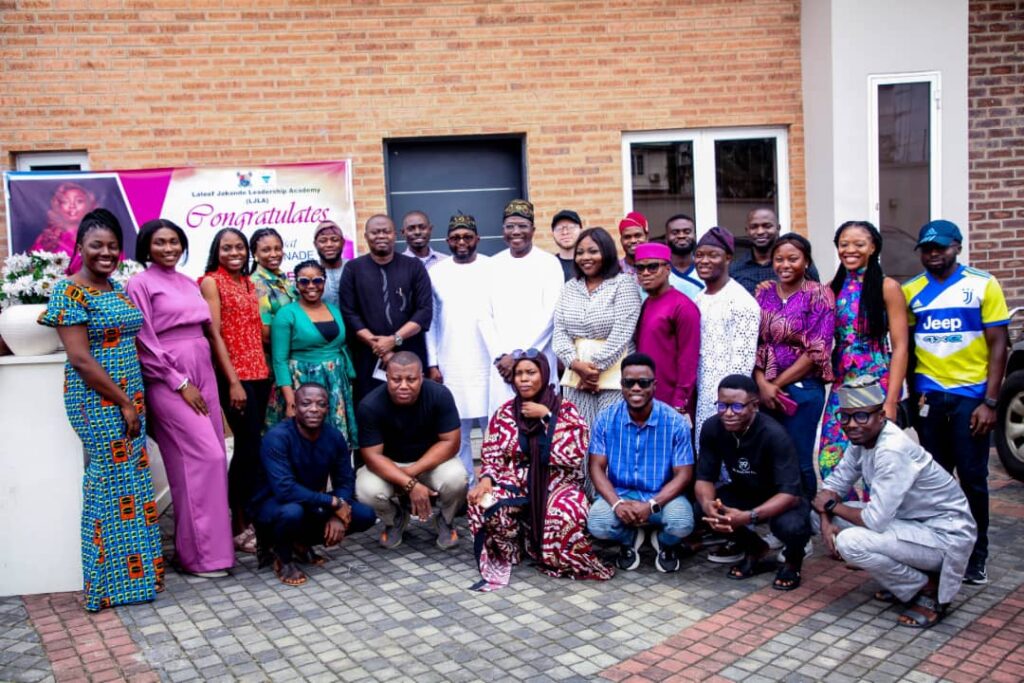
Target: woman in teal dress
x=308, y=345
x=871, y=332
x=273, y=291
x=122, y=560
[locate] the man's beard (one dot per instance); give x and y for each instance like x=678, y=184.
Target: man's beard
x=681, y=251
x=329, y=262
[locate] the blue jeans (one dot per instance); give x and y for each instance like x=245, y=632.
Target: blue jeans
x=674, y=522
x=802, y=427
x=946, y=433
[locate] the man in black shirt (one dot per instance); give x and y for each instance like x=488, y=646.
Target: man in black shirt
x=387, y=304
x=565, y=228
x=763, y=231
x=409, y=437
x=764, y=482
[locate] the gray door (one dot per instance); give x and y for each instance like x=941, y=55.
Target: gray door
x=476, y=175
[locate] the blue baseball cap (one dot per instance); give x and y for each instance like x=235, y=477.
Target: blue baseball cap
x=942, y=233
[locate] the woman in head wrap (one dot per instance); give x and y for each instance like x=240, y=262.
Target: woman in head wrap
x=531, y=484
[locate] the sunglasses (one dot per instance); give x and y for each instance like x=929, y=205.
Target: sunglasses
x=528, y=353
x=307, y=281
x=861, y=417
x=648, y=267
x=737, y=408
x=642, y=382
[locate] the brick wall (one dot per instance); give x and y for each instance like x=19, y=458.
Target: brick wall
x=148, y=84
x=996, y=101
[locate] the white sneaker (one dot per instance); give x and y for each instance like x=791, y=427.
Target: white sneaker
x=773, y=542
x=808, y=551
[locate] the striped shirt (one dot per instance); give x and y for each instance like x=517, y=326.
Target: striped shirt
x=641, y=458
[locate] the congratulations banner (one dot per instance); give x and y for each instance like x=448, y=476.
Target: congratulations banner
x=44, y=208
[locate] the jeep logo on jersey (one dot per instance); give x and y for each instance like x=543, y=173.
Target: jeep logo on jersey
x=942, y=325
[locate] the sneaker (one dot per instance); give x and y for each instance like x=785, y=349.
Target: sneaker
x=666, y=560
x=976, y=574
x=391, y=537
x=729, y=553
x=629, y=555
x=773, y=541
x=215, y=574
x=808, y=551
x=447, y=537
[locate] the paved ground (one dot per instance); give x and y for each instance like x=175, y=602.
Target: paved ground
x=407, y=615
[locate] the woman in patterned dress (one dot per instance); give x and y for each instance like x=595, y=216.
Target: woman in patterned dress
x=870, y=308
x=794, y=349
x=273, y=290
x=601, y=303
x=122, y=562
x=243, y=382
x=308, y=345
x=533, y=499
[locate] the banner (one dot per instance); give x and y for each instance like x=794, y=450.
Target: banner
x=44, y=208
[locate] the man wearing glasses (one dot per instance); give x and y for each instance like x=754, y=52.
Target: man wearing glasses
x=668, y=330
x=641, y=463
x=455, y=348
x=764, y=483
x=526, y=285
x=916, y=534
x=565, y=228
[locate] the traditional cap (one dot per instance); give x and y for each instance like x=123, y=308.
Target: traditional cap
x=461, y=221
x=861, y=392
x=633, y=219
x=325, y=226
x=942, y=233
x=519, y=207
x=718, y=237
x=655, y=250
x=566, y=214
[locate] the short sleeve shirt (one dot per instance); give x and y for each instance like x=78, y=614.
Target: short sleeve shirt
x=407, y=432
x=760, y=464
x=949, y=321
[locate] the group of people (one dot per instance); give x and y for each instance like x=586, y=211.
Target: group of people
x=672, y=393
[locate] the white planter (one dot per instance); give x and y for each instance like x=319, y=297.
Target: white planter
x=24, y=335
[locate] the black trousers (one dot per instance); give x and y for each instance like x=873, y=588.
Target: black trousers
x=792, y=527
x=247, y=427
x=280, y=526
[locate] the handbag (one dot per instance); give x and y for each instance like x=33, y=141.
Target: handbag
x=611, y=378
x=787, y=404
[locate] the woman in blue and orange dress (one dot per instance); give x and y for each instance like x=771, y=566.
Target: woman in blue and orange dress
x=103, y=396
x=243, y=378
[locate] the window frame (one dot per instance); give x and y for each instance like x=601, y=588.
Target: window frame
x=705, y=197
x=23, y=161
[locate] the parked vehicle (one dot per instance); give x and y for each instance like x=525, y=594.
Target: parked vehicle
x=1009, y=431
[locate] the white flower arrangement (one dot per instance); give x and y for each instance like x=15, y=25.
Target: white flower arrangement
x=29, y=278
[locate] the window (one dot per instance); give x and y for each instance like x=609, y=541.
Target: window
x=903, y=164
x=477, y=175
x=715, y=175
x=51, y=161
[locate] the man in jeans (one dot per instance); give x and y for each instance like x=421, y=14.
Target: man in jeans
x=958, y=322
x=641, y=462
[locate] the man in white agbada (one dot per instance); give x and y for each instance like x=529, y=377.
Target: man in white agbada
x=916, y=534
x=526, y=284
x=456, y=352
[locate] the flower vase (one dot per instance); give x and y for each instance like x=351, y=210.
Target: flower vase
x=24, y=335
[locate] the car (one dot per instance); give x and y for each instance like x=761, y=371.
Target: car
x=1009, y=431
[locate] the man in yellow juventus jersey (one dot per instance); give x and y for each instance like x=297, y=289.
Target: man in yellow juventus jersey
x=958, y=322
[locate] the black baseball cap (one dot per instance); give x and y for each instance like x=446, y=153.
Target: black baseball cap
x=566, y=214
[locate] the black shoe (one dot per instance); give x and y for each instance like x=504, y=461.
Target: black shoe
x=976, y=575
x=629, y=555
x=726, y=554
x=666, y=561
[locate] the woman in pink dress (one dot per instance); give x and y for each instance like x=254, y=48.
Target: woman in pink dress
x=181, y=394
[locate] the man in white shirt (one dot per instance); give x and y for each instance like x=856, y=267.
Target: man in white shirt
x=417, y=229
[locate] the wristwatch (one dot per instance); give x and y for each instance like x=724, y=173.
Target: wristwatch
x=830, y=505
x=753, y=516
x=398, y=340
x=991, y=403
x=655, y=506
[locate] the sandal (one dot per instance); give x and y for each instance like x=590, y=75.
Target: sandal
x=919, y=619
x=750, y=566
x=787, y=578
x=885, y=596
x=289, y=574
x=245, y=542
x=306, y=555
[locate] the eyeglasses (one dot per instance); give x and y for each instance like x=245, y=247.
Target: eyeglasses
x=861, y=417
x=461, y=238
x=737, y=407
x=307, y=281
x=649, y=267
x=642, y=382
x=528, y=353
x=516, y=226
x=565, y=227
